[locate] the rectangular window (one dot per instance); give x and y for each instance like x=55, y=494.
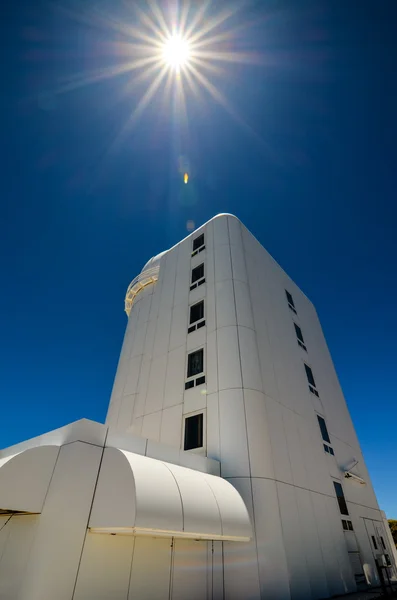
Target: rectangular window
x=195, y=363
x=323, y=429
x=198, y=242
x=383, y=542
x=290, y=301
x=344, y=525
x=299, y=336
x=326, y=448
x=374, y=542
x=197, y=276
x=309, y=375
x=350, y=526
x=331, y=451
x=193, y=432
x=196, y=312
x=341, y=498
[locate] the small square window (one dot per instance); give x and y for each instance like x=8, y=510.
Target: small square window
x=290, y=299
x=198, y=273
x=198, y=242
x=193, y=432
x=341, y=498
x=309, y=375
x=197, y=312
x=195, y=363
x=323, y=429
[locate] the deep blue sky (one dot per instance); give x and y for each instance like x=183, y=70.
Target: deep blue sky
x=313, y=174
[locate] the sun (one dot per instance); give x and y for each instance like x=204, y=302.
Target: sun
x=176, y=51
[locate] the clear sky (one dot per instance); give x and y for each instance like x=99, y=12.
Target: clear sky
x=304, y=154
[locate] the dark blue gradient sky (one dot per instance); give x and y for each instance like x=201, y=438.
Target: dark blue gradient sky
x=306, y=159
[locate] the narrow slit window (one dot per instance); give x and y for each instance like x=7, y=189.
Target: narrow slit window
x=195, y=363
x=383, y=542
x=290, y=301
x=196, y=312
x=341, y=498
x=193, y=432
x=323, y=429
x=198, y=242
x=374, y=542
x=299, y=336
x=198, y=273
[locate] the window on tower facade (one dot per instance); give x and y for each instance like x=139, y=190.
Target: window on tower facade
x=197, y=276
x=196, y=318
x=341, y=498
x=193, y=432
x=310, y=379
x=299, y=336
x=325, y=435
x=195, y=363
x=290, y=301
x=198, y=244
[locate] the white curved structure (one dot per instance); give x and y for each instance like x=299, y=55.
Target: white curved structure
x=221, y=471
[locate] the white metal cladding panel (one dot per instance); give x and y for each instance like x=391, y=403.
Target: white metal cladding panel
x=149, y=339
x=324, y=527
x=168, y=283
x=216, y=582
x=234, y=230
x=213, y=441
x=162, y=335
x=209, y=308
x=16, y=539
x=282, y=464
x=212, y=363
x=136, y=426
x=121, y=376
x=194, y=400
x=190, y=570
x=243, y=304
x=196, y=339
x=144, y=306
x=241, y=574
x=139, y=339
x=155, y=393
x=150, y=571
x=345, y=573
x=233, y=434
x=225, y=305
x=151, y=426
x=314, y=457
x=126, y=410
x=182, y=281
x=273, y=570
x=175, y=377
x=105, y=567
x=250, y=367
x=134, y=367
x=171, y=426
x=238, y=263
x=128, y=341
x=179, y=325
x=143, y=381
x=56, y=551
x=311, y=545
x=260, y=450
x=229, y=368
x=155, y=300
x=221, y=233
x=223, y=265
x=292, y=536
x=295, y=450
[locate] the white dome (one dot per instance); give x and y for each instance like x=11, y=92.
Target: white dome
x=153, y=262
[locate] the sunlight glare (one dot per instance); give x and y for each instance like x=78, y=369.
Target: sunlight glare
x=176, y=51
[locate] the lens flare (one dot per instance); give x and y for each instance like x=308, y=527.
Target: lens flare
x=176, y=51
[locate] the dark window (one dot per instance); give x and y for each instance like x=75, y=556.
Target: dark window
x=344, y=524
x=193, y=328
x=383, y=542
x=341, y=498
x=309, y=374
x=201, y=324
x=326, y=448
x=299, y=333
x=290, y=299
x=331, y=451
x=198, y=272
x=197, y=312
x=200, y=380
x=193, y=432
x=324, y=430
x=189, y=384
x=374, y=542
x=350, y=526
x=198, y=242
x=195, y=363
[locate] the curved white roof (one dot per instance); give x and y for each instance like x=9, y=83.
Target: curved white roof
x=145, y=496
x=153, y=262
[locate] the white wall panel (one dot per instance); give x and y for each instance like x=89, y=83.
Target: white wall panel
x=223, y=265
x=292, y=536
x=209, y=308
x=212, y=363
x=229, y=368
x=168, y=284
x=175, y=377
x=221, y=232
x=295, y=450
x=243, y=304
x=233, y=434
x=105, y=567
x=225, y=306
x=136, y=425
x=162, y=335
x=121, y=376
x=273, y=570
x=234, y=230
x=281, y=461
x=143, y=382
x=238, y=263
x=17, y=535
x=241, y=560
x=155, y=393
x=311, y=545
x=250, y=367
x=150, y=573
x=131, y=384
x=347, y=582
x=194, y=399
x=196, y=339
x=151, y=426
x=138, y=345
x=179, y=325
x=171, y=426
x=260, y=450
x=149, y=339
x=213, y=431
x=126, y=411
x=190, y=570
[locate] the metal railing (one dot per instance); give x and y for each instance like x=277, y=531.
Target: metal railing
x=139, y=283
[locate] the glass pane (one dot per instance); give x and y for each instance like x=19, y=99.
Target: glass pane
x=341, y=498
x=289, y=298
x=197, y=312
x=323, y=428
x=195, y=363
x=299, y=333
x=193, y=432
x=309, y=374
x=198, y=272
x=198, y=242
